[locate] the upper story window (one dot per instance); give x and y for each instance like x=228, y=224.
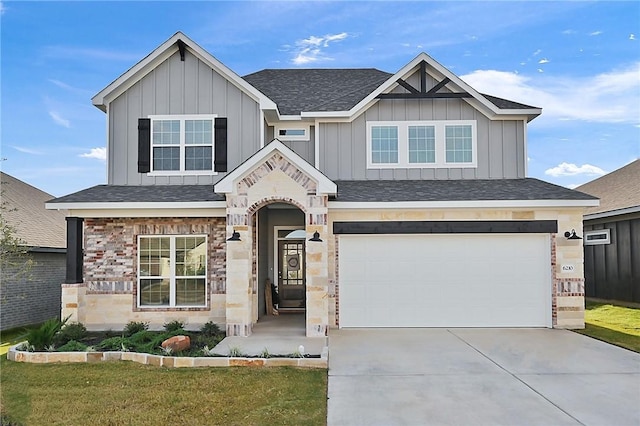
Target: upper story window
x=415, y=144
x=298, y=132
x=182, y=143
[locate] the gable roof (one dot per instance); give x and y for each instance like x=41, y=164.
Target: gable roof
x=325, y=185
x=163, y=52
x=619, y=191
x=300, y=90
x=25, y=211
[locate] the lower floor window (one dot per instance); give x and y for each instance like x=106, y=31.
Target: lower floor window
x=172, y=271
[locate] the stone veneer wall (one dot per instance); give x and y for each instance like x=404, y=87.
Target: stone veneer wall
x=567, y=287
x=108, y=297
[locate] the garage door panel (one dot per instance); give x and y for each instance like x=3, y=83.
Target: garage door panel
x=444, y=280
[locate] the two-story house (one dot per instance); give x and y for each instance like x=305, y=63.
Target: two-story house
x=369, y=199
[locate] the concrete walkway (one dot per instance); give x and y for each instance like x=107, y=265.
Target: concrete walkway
x=479, y=377
x=279, y=335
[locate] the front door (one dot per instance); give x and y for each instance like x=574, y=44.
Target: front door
x=291, y=274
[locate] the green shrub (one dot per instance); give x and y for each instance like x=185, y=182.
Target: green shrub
x=134, y=327
x=174, y=326
x=42, y=337
x=74, y=331
x=72, y=346
x=117, y=343
x=210, y=329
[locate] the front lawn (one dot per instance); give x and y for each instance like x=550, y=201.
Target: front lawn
x=617, y=325
x=128, y=393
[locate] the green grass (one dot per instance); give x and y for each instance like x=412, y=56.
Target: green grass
x=12, y=337
x=123, y=393
x=617, y=325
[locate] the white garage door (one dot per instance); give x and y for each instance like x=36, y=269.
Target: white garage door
x=453, y=280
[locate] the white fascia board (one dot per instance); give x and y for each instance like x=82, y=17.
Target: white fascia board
x=160, y=54
x=611, y=213
x=147, y=206
x=480, y=204
x=325, y=185
x=165, y=213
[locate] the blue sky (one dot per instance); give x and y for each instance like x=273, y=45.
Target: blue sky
x=578, y=61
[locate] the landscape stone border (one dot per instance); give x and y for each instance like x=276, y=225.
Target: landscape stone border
x=164, y=361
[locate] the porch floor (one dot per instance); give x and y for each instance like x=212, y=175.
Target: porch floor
x=279, y=335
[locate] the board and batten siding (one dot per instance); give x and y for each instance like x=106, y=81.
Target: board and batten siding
x=179, y=87
x=612, y=271
x=305, y=149
x=501, y=143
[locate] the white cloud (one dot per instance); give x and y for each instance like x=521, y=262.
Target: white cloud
x=610, y=97
x=27, y=150
x=310, y=49
x=3, y=9
x=66, y=86
x=98, y=153
x=569, y=32
x=543, y=61
x=595, y=33
x=540, y=70
x=570, y=169
x=59, y=119
x=572, y=185
x=537, y=52
x=632, y=36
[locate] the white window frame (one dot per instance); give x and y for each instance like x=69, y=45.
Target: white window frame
x=440, y=144
x=304, y=127
x=596, y=242
x=172, y=277
x=182, y=118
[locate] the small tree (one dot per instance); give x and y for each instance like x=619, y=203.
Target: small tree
x=15, y=260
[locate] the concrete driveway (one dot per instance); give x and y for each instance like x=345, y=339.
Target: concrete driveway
x=479, y=377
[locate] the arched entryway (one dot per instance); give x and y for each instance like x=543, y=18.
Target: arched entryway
x=276, y=177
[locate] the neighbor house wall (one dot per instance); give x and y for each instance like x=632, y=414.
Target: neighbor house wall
x=33, y=297
x=108, y=297
x=567, y=288
x=179, y=87
x=612, y=271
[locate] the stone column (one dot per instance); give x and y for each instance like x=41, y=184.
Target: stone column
x=239, y=277
x=73, y=302
x=317, y=273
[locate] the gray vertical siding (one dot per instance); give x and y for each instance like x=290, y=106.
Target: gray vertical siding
x=500, y=144
x=177, y=87
x=612, y=271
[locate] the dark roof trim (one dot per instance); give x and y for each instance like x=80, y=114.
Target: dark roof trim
x=448, y=227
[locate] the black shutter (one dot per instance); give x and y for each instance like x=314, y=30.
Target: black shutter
x=220, y=161
x=144, y=145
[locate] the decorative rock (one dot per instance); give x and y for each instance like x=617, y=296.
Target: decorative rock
x=177, y=343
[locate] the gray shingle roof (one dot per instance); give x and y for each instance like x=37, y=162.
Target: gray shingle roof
x=454, y=190
x=296, y=90
x=349, y=191
x=25, y=211
x=329, y=89
x=142, y=194
x=617, y=190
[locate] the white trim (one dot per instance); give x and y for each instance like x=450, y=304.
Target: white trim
x=107, y=160
x=440, y=144
x=305, y=127
x=137, y=205
x=611, y=213
x=316, y=145
x=525, y=149
x=471, y=204
x=164, y=51
x=262, y=126
x=149, y=213
x=325, y=185
x=606, y=240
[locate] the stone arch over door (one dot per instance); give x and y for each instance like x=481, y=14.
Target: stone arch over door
x=277, y=177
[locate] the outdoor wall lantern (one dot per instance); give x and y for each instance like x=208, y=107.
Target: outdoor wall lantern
x=316, y=237
x=572, y=235
x=235, y=236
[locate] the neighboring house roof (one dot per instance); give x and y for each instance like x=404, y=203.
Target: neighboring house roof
x=24, y=210
x=349, y=191
x=619, y=191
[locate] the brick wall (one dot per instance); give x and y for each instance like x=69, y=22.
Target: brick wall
x=35, y=297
